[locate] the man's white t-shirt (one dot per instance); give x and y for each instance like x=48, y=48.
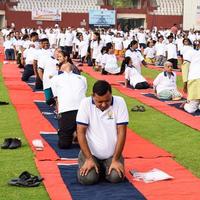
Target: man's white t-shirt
x=163, y=82
x=70, y=89
x=48, y=65
x=101, y=130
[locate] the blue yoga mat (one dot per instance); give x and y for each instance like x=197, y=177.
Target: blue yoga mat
x=154, y=97
x=31, y=84
x=48, y=113
x=101, y=191
x=52, y=140
x=177, y=105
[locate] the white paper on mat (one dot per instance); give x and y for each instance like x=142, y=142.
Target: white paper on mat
x=151, y=176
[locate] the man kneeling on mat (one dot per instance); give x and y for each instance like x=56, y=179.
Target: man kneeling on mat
x=101, y=130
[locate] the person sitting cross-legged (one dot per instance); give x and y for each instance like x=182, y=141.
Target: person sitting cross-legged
x=101, y=130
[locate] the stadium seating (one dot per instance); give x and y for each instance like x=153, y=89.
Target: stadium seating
x=78, y=6
x=170, y=7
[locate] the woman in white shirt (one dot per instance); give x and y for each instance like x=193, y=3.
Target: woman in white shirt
x=109, y=61
x=95, y=47
x=83, y=48
x=132, y=76
x=165, y=84
x=150, y=53
x=136, y=56
x=160, y=51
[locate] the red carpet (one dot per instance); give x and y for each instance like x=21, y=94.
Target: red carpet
x=179, y=115
x=184, y=186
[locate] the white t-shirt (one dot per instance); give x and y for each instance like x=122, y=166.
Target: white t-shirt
x=126, y=43
x=69, y=37
x=194, y=70
x=141, y=37
x=96, y=48
x=62, y=38
x=133, y=76
x=160, y=49
x=150, y=52
x=171, y=51
x=101, y=132
x=136, y=58
x=30, y=55
x=8, y=44
x=52, y=39
x=109, y=62
x=185, y=52
x=163, y=82
x=70, y=89
x=48, y=64
x=83, y=48
x=118, y=41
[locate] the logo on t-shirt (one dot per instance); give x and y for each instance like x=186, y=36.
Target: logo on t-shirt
x=110, y=115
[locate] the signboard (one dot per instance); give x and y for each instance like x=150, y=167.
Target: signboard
x=102, y=17
x=46, y=14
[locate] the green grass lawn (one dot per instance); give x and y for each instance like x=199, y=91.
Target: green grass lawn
x=180, y=140
x=13, y=162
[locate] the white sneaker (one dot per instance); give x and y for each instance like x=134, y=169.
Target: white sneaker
x=39, y=146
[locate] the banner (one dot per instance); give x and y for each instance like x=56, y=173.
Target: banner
x=102, y=17
x=46, y=14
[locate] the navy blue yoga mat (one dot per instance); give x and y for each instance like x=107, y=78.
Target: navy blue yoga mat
x=177, y=105
x=31, y=84
x=48, y=113
x=52, y=140
x=101, y=191
x=154, y=97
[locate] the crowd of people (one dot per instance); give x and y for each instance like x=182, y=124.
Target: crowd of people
x=100, y=120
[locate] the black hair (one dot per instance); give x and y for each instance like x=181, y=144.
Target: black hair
x=33, y=34
x=98, y=35
x=133, y=42
x=189, y=41
x=66, y=55
x=103, y=50
x=170, y=36
x=126, y=61
x=25, y=37
x=108, y=46
x=44, y=40
x=101, y=87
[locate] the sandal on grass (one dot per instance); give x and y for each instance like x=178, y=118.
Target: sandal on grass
x=26, y=180
x=3, y=103
x=138, y=109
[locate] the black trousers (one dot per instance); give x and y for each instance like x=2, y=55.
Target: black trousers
x=142, y=85
x=38, y=83
x=67, y=126
x=28, y=72
x=174, y=63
